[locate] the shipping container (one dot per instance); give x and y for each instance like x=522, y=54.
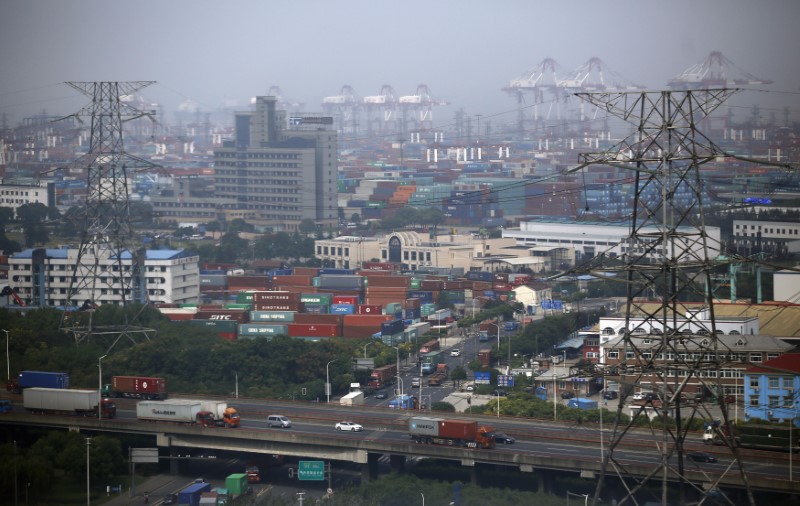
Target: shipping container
x=353, y=300
x=236, y=483
x=276, y=296
x=175, y=410
x=138, y=387
x=313, y=330
x=342, y=309
x=392, y=327
x=237, y=315
x=190, y=496
x=316, y=298
x=43, y=379
x=251, y=330
x=216, y=325
x=272, y=316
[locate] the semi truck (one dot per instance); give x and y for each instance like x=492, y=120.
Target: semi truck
x=383, y=376
x=757, y=437
x=430, y=361
x=437, y=378
x=67, y=401
x=440, y=431
x=205, y=413
x=136, y=387
x=37, y=379
x=218, y=414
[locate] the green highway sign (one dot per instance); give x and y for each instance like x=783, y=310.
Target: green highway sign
x=311, y=470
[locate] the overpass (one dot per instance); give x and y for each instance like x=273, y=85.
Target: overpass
x=370, y=445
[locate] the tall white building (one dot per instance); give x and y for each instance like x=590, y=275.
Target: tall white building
x=41, y=276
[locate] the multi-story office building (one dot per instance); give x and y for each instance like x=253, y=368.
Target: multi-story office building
x=42, y=277
x=281, y=170
x=14, y=194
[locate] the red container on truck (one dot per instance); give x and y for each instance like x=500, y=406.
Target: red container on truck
x=441, y=431
x=429, y=347
x=136, y=387
x=383, y=376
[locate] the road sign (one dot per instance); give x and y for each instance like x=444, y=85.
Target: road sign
x=505, y=380
x=311, y=470
x=482, y=378
x=144, y=455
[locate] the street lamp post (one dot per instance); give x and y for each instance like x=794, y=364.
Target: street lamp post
x=88, y=496
x=328, y=380
x=8, y=358
x=100, y=387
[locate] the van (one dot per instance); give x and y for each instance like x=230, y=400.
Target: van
x=278, y=421
x=415, y=382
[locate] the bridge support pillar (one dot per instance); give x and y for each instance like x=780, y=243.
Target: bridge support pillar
x=542, y=480
x=398, y=463
x=173, y=462
x=369, y=471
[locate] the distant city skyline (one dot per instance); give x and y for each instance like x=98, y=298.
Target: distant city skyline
x=218, y=56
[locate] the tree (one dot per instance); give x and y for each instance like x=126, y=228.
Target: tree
x=307, y=227
x=458, y=374
x=33, y=218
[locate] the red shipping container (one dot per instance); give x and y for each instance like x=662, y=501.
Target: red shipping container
x=179, y=317
x=276, y=296
x=312, y=330
x=296, y=307
x=139, y=386
x=228, y=336
x=430, y=284
x=412, y=304
x=372, y=309
x=345, y=299
x=327, y=319
x=388, y=281
x=249, y=282
x=238, y=315
x=458, y=429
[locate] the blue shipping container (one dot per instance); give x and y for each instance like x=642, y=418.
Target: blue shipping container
x=190, y=496
x=43, y=379
x=392, y=327
x=342, y=309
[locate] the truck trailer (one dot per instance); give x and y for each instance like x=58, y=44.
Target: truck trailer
x=66, y=401
x=352, y=399
x=37, y=379
x=205, y=413
x=136, y=387
x=383, y=376
x=441, y=431
x=190, y=496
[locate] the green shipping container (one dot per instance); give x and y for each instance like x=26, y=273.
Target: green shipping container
x=262, y=330
x=316, y=298
x=236, y=483
x=416, y=283
x=244, y=297
x=217, y=325
x=239, y=305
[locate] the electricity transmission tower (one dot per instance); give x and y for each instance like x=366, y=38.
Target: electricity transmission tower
x=107, y=268
x=668, y=259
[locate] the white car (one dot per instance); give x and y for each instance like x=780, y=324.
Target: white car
x=455, y=352
x=351, y=426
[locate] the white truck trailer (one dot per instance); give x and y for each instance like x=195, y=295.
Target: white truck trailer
x=66, y=401
x=174, y=410
x=352, y=399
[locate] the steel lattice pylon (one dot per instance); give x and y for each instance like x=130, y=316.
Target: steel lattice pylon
x=107, y=268
x=668, y=260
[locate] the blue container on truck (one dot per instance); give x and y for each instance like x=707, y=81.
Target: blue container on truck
x=190, y=496
x=43, y=379
x=391, y=328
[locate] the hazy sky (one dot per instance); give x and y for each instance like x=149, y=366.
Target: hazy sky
x=217, y=52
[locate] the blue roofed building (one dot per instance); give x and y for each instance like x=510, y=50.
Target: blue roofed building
x=41, y=276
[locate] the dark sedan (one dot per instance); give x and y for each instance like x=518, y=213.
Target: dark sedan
x=701, y=457
x=503, y=438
